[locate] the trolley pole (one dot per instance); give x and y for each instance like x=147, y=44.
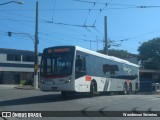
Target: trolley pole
x=105, y=36
x=36, y=66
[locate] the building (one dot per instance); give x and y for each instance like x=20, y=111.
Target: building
x=16, y=65
x=148, y=80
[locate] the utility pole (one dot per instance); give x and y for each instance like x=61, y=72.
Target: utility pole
x=97, y=42
x=105, y=36
x=36, y=66
x=90, y=44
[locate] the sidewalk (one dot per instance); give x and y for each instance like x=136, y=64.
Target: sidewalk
x=25, y=87
x=4, y=86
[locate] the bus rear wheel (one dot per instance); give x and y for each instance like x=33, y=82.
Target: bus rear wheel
x=125, y=89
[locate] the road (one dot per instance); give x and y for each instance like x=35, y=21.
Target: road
x=12, y=99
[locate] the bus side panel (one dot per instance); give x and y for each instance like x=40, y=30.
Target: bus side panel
x=103, y=84
x=105, y=80
x=81, y=85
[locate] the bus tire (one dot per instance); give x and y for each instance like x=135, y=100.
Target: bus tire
x=130, y=89
x=125, y=89
x=92, y=89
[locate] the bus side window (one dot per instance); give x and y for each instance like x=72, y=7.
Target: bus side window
x=80, y=66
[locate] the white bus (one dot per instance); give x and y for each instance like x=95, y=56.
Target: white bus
x=75, y=69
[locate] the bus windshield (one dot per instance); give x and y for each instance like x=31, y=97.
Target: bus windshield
x=57, y=64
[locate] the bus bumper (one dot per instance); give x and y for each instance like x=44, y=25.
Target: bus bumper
x=63, y=87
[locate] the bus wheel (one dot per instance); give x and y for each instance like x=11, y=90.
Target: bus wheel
x=130, y=89
x=92, y=89
x=64, y=94
x=125, y=89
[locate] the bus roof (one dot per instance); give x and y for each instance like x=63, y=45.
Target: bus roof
x=105, y=56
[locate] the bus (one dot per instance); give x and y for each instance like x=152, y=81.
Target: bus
x=75, y=69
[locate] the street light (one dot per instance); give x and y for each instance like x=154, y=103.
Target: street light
x=18, y=2
x=10, y=34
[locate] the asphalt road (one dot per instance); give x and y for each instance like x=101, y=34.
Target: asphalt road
x=12, y=99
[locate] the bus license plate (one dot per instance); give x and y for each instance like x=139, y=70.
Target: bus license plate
x=54, y=88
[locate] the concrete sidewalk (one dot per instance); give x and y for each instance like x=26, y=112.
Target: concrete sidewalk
x=7, y=86
x=25, y=87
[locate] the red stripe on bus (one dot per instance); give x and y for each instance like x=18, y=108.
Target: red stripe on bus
x=127, y=81
x=51, y=76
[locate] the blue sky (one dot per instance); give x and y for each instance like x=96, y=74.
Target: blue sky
x=61, y=22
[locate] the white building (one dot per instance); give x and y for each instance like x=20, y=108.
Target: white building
x=16, y=65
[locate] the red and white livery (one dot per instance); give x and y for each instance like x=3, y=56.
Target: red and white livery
x=75, y=69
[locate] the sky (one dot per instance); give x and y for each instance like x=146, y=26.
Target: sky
x=80, y=23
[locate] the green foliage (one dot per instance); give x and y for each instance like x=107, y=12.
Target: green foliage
x=26, y=82
x=118, y=53
x=23, y=82
x=150, y=54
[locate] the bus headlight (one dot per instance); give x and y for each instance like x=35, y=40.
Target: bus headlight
x=67, y=81
x=42, y=81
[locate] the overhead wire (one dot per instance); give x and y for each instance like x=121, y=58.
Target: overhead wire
x=141, y=6
x=86, y=9
x=40, y=20
x=6, y=26
x=123, y=41
x=137, y=36
x=57, y=38
x=101, y=12
x=84, y=1
x=89, y=12
x=70, y=38
x=57, y=23
x=16, y=20
x=83, y=26
x=56, y=32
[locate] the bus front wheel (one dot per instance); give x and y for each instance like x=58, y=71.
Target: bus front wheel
x=92, y=89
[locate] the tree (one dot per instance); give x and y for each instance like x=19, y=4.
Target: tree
x=118, y=53
x=149, y=53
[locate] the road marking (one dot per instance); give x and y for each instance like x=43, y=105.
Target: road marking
x=154, y=99
x=145, y=97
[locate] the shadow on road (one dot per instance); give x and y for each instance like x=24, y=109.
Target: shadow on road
x=31, y=100
x=45, y=99
x=39, y=99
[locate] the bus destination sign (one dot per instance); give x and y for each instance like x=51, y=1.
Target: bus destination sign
x=59, y=50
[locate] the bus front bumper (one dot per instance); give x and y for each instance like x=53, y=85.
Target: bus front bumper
x=63, y=87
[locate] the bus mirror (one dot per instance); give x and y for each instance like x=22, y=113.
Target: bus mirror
x=79, y=62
